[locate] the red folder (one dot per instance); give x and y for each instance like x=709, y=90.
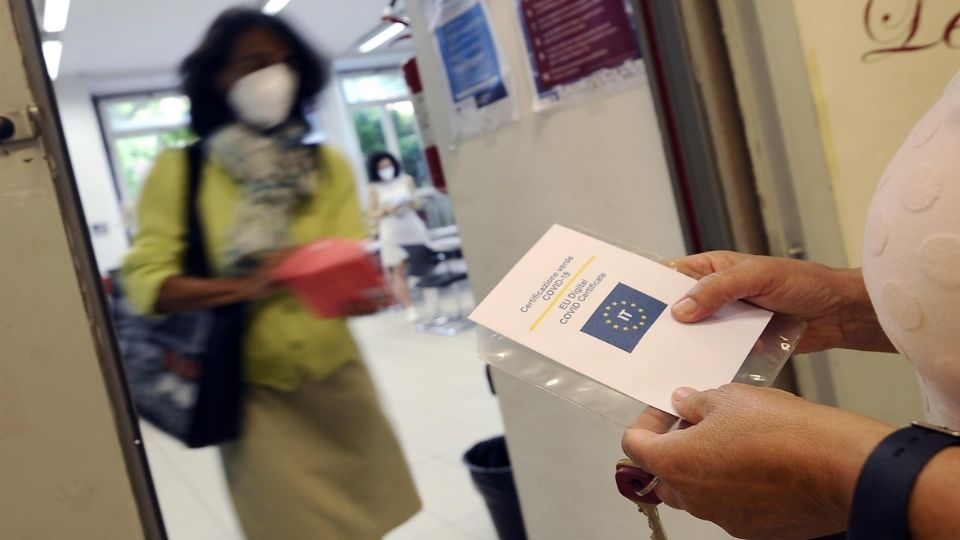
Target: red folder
x=333, y=276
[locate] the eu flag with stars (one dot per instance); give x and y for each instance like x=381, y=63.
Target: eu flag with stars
x=624, y=317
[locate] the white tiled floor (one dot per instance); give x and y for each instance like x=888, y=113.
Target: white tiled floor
x=435, y=392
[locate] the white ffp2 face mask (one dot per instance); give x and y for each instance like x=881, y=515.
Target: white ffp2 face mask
x=387, y=173
x=265, y=97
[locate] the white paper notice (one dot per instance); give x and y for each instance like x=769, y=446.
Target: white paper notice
x=605, y=312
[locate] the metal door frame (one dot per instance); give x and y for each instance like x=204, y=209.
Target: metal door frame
x=701, y=126
x=704, y=134
x=52, y=145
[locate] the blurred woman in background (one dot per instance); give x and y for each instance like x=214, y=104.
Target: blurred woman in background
x=317, y=458
x=393, y=204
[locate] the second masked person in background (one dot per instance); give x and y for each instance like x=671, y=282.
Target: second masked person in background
x=317, y=458
x=393, y=204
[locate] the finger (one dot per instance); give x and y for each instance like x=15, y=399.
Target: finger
x=668, y=496
x=704, y=264
x=357, y=309
x=378, y=297
x=272, y=287
x=643, y=447
x=746, y=279
x=684, y=269
x=695, y=266
x=655, y=420
x=693, y=405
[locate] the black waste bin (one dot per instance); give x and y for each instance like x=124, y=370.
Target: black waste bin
x=492, y=475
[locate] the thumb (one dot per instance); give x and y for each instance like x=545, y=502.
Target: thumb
x=743, y=280
x=693, y=405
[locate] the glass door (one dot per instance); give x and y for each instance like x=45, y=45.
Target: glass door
x=136, y=128
x=384, y=119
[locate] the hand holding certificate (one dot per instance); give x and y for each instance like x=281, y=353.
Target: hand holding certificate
x=602, y=312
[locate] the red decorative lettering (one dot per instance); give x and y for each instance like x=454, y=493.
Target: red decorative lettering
x=948, y=31
x=896, y=30
x=876, y=20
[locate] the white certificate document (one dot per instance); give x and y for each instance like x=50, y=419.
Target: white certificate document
x=605, y=312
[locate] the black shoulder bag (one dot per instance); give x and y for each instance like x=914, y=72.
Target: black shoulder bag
x=185, y=370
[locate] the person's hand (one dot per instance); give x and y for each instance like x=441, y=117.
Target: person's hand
x=373, y=301
x=187, y=293
x=358, y=308
x=393, y=209
x=263, y=282
x=833, y=302
x=761, y=463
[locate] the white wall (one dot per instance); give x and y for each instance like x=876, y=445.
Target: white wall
x=91, y=167
x=599, y=165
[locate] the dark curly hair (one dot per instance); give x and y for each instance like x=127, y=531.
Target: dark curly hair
x=208, y=106
x=374, y=159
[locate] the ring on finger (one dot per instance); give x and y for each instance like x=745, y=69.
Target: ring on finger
x=649, y=487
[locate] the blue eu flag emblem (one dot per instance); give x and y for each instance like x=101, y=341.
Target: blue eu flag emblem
x=624, y=317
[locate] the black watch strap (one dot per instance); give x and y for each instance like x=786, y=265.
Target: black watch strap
x=883, y=490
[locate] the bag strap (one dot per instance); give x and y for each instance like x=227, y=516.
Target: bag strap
x=195, y=263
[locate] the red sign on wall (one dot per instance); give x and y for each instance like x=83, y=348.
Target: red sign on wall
x=569, y=40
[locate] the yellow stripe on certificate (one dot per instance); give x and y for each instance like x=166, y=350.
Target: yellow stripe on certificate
x=560, y=294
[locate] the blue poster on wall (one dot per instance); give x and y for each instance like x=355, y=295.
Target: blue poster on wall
x=471, y=64
x=470, y=58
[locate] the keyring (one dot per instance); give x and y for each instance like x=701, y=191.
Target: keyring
x=650, y=487
x=635, y=483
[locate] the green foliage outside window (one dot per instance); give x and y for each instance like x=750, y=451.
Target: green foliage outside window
x=411, y=154
x=135, y=155
x=369, y=130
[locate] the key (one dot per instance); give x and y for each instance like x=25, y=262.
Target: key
x=657, y=532
x=634, y=483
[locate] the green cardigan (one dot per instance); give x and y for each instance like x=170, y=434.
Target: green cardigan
x=284, y=344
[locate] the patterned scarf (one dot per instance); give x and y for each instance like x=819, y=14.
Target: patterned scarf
x=274, y=173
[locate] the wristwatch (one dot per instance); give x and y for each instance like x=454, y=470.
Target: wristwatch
x=883, y=490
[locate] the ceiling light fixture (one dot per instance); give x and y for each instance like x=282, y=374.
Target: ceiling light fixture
x=55, y=15
x=52, y=51
x=381, y=37
x=272, y=7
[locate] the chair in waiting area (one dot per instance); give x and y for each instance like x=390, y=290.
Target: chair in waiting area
x=432, y=272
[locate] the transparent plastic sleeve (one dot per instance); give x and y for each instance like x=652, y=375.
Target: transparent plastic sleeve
x=765, y=361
